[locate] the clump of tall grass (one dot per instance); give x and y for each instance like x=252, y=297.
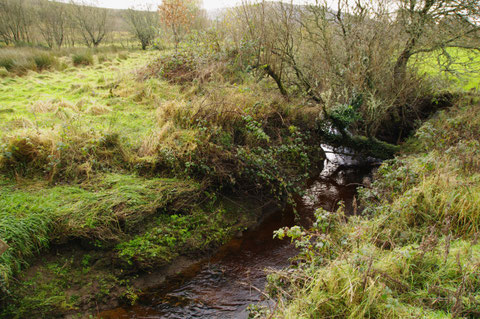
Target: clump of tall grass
x=62, y=153
x=20, y=60
x=44, y=61
x=97, y=109
x=82, y=58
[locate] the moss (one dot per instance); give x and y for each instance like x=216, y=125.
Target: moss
x=72, y=283
x=171, y=235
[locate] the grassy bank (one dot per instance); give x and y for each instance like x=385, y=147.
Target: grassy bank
x=414, y=250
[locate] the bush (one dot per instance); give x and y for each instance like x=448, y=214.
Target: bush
x=84, y=58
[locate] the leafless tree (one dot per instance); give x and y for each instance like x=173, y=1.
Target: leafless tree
x=144, y=25
x=91, y=22
x=15, y=21
x=52, y=22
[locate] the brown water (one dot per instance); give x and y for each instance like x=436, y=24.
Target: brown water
x=226, y=284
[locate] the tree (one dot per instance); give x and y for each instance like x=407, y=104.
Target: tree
x=431, y=25
x=143, y=24
x=91, y=21
x=15, y=21
x=52, y=22
x=178, y=16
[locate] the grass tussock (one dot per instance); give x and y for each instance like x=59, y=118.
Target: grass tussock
x=98, y=109
x=61, y=154
x=82, y=58
x=414, y=252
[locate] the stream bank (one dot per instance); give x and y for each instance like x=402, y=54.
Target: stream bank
x=226, y=284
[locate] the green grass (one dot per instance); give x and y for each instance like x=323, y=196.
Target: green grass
x=459, y=66
x=74, y=91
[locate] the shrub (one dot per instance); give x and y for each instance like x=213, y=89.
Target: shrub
x=7, y=62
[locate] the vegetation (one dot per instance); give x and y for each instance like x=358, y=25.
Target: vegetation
x=138, y=157
x=414, y=249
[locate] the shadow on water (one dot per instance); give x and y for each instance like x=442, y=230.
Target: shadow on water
x=227, y=283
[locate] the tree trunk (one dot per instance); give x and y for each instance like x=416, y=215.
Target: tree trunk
x=277, y=80
x=400, y=68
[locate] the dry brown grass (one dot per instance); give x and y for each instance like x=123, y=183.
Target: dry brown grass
x=52, y=106
x=98, y=109
x=44, y=107
x=20, y=122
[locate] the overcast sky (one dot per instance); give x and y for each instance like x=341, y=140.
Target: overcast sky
x=124, y=4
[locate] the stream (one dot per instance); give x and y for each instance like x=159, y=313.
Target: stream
x=224, y=285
